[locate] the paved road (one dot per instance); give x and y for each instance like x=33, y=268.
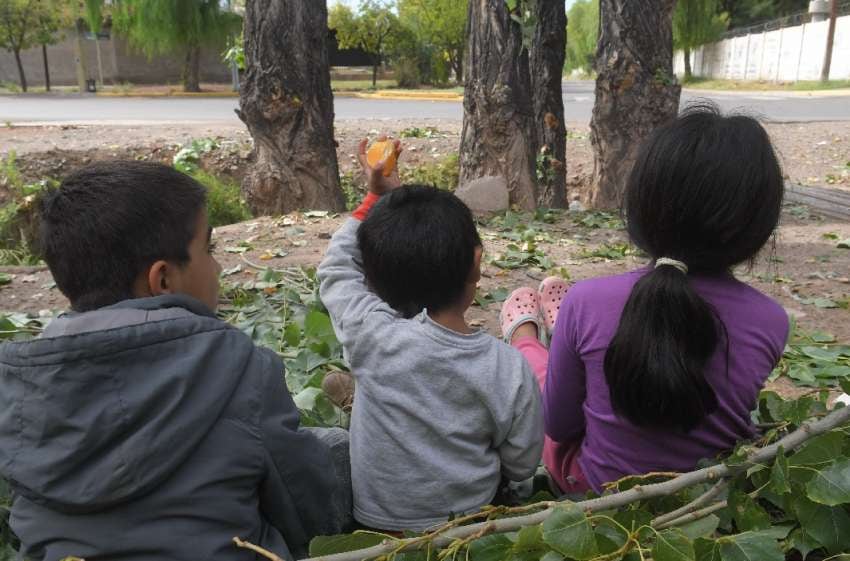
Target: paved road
x=578, y=104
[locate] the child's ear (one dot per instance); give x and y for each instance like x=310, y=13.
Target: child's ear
x=475, y=274
x=158, y=281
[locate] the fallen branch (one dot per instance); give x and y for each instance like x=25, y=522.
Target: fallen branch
x=696, y=504
x=718, y=472
x=692, y=516
x=256, y=549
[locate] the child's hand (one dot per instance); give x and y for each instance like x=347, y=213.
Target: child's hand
x=376, y=181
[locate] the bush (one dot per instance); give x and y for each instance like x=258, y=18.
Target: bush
x=443, y=174
x=19, y=220
x=407, y=73
x=224, y=200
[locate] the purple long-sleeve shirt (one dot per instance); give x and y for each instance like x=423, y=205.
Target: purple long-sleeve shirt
x=576, y=399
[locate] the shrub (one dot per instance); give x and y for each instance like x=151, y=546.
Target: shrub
x=224, y=200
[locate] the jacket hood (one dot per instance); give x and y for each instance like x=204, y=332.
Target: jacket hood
x=107, y=404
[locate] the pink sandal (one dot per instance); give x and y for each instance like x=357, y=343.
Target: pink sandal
x=520, y=307
x=550, y=293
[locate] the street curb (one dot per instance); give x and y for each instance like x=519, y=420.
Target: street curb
x=402, y=96
x=788, y=93
x=167, y=94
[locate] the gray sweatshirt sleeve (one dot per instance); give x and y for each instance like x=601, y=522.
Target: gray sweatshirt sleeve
x=343, y=288
x=521, y=450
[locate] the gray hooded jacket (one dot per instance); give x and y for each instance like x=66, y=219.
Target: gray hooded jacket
x=151, y=430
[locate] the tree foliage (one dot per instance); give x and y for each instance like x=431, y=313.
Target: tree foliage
x=696, y=22
x=439, y=26
x=27, y=23
x=169, y=26
x=582, y=35
x=371, y=29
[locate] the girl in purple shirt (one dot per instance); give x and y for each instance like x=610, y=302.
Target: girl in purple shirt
x=660, y=367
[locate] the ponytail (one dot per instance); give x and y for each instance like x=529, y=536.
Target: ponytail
x=656, y=361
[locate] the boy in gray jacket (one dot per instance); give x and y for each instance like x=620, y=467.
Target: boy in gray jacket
x=441, y=411
x=140, y=427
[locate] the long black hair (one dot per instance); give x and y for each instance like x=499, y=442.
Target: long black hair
x=706, y=190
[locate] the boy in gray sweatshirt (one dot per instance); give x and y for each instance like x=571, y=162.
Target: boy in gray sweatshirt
x=442, y=411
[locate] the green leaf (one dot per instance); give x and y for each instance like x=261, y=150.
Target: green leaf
x=529, y=544
x=707, y=550
x=779, y=474
x=803, y=542
x=750, y=546
x=633, y=519
x=317, y=325
x=494, y=547
x=306, y=398
x=552, y=556
x=292, y=334
x=748, y=515
x=845, y=385
x=827, y=525
x=673, y=545
x=831, y=486
x=328, y=545
x=5, y=278
x=702, y=528
x=819, y=450
x=568, y=531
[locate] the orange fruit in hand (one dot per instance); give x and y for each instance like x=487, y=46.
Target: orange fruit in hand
x=382, y=151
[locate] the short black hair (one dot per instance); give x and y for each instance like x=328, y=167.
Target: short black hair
x=418, y=245
x=109, y=221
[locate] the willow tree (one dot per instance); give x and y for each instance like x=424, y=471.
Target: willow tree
x=499, y=136
x=174, y=26
x=695, y=23
x=636, y=89
x=287, y=104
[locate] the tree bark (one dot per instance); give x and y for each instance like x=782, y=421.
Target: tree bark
x=22, y=76
x=287, y=104
x=830, y=41
x=636, y=90
x=80, y=56
x=46, y=67
x=688, y=70
x=192, y=69
x=547, y=67
x=498, y=137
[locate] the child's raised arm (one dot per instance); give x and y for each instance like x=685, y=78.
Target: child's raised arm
x=343, y=287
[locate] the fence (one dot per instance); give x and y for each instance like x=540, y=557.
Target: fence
x=773, y=52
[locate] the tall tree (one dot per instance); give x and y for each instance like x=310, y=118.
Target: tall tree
x=636, y=90
x=582, y=35
x=167, y=26
x=499, y=136
x=371, y=29
x=695, y=23
x=546, y=66
x=440, y=25
x=50, y=17
x=18, y=30
x=287, y=104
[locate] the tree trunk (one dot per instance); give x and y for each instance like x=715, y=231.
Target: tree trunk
x=192, y=69
x=688, y=71
x=457, y=65
x=287, y=104
x=80, y=57
x=498, y=137
x=636, y=90
x=46, y=67
x=375, y=63
x=22, y=76
x=547, y=67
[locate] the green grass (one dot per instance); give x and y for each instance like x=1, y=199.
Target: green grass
x=760, y=85
x=361, y=85
x=224, y=200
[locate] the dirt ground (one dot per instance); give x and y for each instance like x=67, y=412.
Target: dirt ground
x=806, y=272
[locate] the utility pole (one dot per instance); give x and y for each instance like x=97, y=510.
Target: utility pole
x=830, y=40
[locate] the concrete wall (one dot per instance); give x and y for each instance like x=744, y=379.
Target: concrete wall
x=120, y=64
x=783, y=55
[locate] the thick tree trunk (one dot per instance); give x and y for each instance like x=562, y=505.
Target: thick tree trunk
x=636, y=90
x=80, y=56
x=287, y=104
x=688, y=71
x=547, y=67
x=21, y=75
x=192, y=69
x=457, y=66
x=46, y=67
x=375, y=73
x=498, y=137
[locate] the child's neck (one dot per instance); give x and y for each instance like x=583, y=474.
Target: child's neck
x=452, y=319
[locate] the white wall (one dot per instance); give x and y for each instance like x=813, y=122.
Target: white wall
x=785, y=55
